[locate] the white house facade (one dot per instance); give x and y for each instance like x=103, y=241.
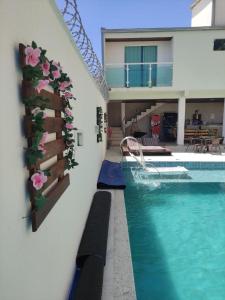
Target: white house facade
x=167, y=70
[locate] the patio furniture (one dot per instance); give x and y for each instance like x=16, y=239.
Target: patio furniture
x=111, y=176
x=91, y=256
x=150, y=141
x=203, y=144
x=94, y=238
x=193, y=142
x=206, y=143
x=139, y=134
x=195, y=132
x=215, y=145
x=147, y=150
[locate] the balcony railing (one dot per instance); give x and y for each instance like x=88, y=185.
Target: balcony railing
x=139, y=75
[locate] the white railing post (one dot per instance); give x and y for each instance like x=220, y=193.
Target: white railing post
x=127, y=79
x=150, y=75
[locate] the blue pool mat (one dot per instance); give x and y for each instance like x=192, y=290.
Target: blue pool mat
x=111, y=176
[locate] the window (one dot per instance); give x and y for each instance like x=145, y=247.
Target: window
x=219, y=45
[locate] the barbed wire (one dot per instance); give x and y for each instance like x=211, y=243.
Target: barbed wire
x=74, y=23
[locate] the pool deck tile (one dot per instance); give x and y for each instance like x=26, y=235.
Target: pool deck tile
x=118, y=275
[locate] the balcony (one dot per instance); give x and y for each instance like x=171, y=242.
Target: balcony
x=139, y=75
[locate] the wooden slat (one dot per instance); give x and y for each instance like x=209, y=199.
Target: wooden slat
x=51, y=125
x=38, y=216
x=54, y=100
x=52, y=148
x=22, y=55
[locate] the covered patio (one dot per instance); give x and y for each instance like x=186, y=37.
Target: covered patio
x=178, y=119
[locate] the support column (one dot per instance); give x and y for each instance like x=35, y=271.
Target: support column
x=123, y=117
x=181, y=120
x=223, y=129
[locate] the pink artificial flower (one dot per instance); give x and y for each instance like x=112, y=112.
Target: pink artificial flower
x=56, y=74
x=68, y=112
x=68, y=95
x=41, y=85
x=63, y=85
x=45, y=68
x=39, y=180
x=42, y=148
x=32, y=56
x=44, y=138
x=69, y=126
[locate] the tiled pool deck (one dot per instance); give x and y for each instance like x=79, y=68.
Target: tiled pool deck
x=178, y=155
x=118, y=275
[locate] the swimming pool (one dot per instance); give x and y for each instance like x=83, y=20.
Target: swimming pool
x=177, y=235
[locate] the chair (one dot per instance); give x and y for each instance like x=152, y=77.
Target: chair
x=215, y=145
x=194, y=144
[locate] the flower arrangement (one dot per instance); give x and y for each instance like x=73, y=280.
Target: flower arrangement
x=42, y=72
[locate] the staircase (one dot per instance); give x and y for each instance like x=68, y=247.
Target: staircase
x=117, y=136
x=143, y=114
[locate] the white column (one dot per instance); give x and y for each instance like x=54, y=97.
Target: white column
x=181, y=120
x=223, y=131
x=123, y=117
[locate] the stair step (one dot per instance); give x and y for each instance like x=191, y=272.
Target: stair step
x=116, y=131
x=115, y=143
x=119, y=134
x=116, y=128
x=116, y=140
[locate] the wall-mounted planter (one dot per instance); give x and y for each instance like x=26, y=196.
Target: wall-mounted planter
x=99, y=116
x=46, y=185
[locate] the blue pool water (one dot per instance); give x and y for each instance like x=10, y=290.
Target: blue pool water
x=177, y=236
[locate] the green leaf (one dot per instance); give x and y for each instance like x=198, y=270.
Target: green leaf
x=47, y=172
x=34, y=45
x=40, y=200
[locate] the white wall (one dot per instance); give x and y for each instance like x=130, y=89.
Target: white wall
x=220, y=13
x=206, y=110
x=198, y=70
x=115, y=114
x=115, y=51
x=40, y=266
x=202, y=13
x=196, y=65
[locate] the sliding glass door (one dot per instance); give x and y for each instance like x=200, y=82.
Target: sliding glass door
x=139, y=74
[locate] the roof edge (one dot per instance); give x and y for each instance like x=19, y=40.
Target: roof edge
x=166, y=29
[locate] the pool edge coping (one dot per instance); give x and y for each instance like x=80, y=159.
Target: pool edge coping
x=118, y=282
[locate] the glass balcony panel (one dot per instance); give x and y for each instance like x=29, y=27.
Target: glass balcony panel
x=164, y=75
x=115, y=76
x=139, y=75
x=135, y=75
